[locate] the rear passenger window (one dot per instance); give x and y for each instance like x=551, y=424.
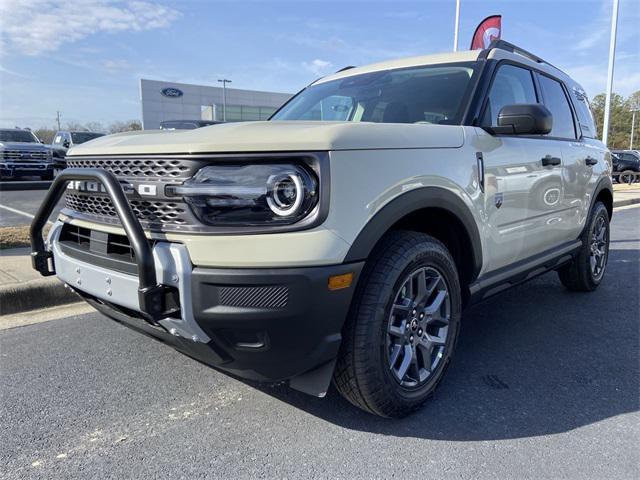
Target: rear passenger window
x=511, y=85
x=557, y=103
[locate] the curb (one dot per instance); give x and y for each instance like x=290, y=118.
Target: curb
x=35, y=294
x=624, y=203
x=24, y=185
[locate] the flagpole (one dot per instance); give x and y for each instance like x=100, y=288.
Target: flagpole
x=612, y=57
x=457, y=27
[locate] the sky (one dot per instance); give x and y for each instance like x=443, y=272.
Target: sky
x=84, y=58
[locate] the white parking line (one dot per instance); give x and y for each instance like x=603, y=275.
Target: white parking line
x=627, y=207
x=18, y=212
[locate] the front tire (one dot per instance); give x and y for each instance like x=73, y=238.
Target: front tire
x=402, y=328
x=586, y=270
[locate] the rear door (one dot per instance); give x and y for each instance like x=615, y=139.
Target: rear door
x=582, y=155
x=523, y=176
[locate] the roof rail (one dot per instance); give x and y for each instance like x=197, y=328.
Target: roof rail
x=349, y=67
x=510, y=47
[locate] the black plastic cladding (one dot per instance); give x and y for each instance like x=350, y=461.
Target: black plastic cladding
x=318, y=162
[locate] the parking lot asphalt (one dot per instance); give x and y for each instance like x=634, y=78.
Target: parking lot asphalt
x=545, y=384
x=26, y=201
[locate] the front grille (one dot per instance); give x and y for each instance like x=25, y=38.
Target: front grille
x=156, y=213
x=23, y=155
x=168, y=168
x=153, y=212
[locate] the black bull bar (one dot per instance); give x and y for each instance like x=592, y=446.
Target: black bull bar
x=152, y=296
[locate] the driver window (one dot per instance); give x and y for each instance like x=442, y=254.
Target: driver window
x=511, y=85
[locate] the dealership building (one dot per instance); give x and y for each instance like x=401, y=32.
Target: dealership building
x=181, y=101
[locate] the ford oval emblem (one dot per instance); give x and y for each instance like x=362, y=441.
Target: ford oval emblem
x=171, y=92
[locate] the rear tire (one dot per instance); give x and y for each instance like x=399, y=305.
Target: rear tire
x=587, y=269
x=402, y=328
x=627, y=176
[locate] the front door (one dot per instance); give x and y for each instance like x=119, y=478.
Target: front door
x=524, y=193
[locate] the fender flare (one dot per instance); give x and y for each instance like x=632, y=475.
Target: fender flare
x=407, y=203
x=604, y=183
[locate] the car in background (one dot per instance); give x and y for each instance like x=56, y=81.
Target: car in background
x=63, y=141
x=22, y=154
x=186, y=124
x=626, y=165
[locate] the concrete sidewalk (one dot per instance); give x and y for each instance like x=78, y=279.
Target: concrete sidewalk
x=626, y=194
x=23, y=289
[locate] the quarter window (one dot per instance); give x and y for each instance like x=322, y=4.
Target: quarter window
x=556, y=101
x=511, y=85
x=587, y=125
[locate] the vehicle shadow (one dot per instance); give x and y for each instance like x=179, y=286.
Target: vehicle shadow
x=535, y=361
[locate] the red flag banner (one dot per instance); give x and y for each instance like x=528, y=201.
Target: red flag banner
x=489, y=29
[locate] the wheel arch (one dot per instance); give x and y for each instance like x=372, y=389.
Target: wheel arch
x=603, y=193
x=433, y=210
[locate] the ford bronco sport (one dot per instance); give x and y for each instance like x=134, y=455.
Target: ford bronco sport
x=342, y=238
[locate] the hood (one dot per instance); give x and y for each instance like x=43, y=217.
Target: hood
x=276, y=136
x=30, y=146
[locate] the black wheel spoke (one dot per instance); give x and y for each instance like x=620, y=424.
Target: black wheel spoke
x=406, y=362
x=436, y=305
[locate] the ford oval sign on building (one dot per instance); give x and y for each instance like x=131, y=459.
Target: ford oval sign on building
x=171, y=92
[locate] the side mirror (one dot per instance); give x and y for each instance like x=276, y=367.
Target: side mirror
x=523, y=119
x=66, y=144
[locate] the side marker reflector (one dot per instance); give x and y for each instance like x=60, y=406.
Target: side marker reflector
x=338, y=282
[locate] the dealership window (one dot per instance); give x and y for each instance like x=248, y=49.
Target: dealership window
x=243, y=113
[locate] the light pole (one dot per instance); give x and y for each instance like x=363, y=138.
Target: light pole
x=612, y=57
x=633, y=123
x=457, y=27
x=224, y=82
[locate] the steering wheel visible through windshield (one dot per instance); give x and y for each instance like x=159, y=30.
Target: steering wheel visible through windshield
x=425, y=94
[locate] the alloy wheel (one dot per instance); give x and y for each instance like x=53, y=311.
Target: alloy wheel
x=598, y=248
x=418, y=327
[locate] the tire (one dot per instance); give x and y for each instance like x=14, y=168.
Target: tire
x=580, y=275
x=627, y=176
x=366, y=373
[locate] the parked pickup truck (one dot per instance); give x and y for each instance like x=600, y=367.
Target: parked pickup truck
x=23, y=155
x=342, y=238
x=63, y=141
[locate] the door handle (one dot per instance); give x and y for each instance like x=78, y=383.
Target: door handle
x=549, y=160
x=591, y=161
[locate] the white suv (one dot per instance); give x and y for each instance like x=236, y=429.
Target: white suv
x=342, y=238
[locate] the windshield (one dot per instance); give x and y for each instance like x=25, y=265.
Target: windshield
x=81, y=137
x=24, y=136
x=427, y=94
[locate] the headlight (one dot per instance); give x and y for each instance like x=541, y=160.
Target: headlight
x=250, y=195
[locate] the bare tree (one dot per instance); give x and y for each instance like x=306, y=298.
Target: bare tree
x=117, y=127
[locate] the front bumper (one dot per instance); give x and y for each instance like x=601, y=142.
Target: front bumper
x=25, y=169
x=259, y=324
